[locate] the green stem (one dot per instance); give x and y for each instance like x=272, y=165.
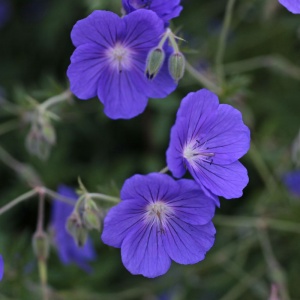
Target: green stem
x=263, y=170
x=103, y=197
x=8, y=160
x=222, y=41
x=53, y=195
x=40, y=222
x=202, y=79
x=164, y=38
x=275, y=269
x=246, y=281
x=164, y=170
x=54, y=100
x=281, y=225
x=18, y=200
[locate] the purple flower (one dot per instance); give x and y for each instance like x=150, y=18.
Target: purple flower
x=292, y=5
x=159, y=220
x=292, y=182
x=165, y=9
x=208, y=138
x=68, y=251
x=1, y=267
x=110, y=61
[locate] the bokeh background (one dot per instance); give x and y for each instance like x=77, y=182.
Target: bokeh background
x=257, y=243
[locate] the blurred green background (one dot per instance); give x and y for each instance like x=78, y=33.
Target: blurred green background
x=257, y=243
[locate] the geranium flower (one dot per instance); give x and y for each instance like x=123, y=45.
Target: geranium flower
x=159, y=220
x=292, y=182
x=292, y=5
x=68, y=251
x=110, y=61
x=165, y=9
x=1, y=267
x=208, y=139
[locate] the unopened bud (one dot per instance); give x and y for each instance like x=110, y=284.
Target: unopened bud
x=154, y=62
x=176, y=65
x=91, y=215
x=40, y=244
x=76, y=229
x=48, y=133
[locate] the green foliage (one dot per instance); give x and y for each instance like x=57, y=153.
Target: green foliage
x=257, y=236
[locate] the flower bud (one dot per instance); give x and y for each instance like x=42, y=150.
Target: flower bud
x=154, y=62
x=48, y=132
x=75, y=227
x=91, y=215
x=40, y=244
x=176, y=65
x=41, y=136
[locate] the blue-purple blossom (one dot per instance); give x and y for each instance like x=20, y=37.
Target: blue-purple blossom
x=292, y=5
x=1, y=267
x=68, y=251
x=207, y=139
x=165, y=9
x=292, y=182
x=110, y=61
x=160, y=220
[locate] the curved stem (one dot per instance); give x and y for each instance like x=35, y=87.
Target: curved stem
x=18, y=200
x=55, y=196
x=56, y=99
x=202, y=79
x=103, y=197
x=40, y=221
x=164, y=170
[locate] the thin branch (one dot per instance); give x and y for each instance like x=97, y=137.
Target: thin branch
x=18, y=200
x=222, y=41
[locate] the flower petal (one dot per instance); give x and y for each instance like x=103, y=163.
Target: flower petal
x=199, y=110
x=87, y=65
x=143, y=252
x=175, y=160
x=120, y=94
x=186, y=243
x=191, y=205
x=228, y=138
x=143, y=30
x=120, y=221
x=100, y=27
x=222, y=180
x=292, y=5
x=150, y=188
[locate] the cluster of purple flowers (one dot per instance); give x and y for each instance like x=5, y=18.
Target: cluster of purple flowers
x=125, y=61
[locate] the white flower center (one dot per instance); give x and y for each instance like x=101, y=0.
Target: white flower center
x=195, y=151
x=158, y=213
x=119, y=57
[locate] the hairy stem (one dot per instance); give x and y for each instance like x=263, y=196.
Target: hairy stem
x=56, y=99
